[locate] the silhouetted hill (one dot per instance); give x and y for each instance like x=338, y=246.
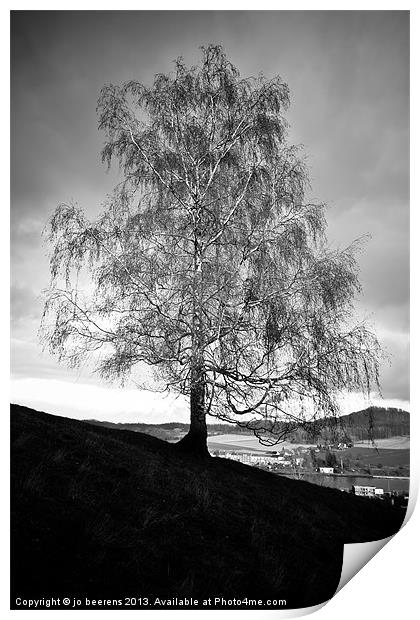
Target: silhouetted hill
x=383, y=422
x=102, y=513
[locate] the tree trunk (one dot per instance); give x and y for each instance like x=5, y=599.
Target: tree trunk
x=195, y=441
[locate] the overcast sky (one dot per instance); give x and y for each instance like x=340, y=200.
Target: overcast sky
x=348, y=73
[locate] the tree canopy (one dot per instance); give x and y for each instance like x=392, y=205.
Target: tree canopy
x=207, y=261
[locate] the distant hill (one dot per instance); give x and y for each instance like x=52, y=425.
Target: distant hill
x=383, y=422
x=370, y=423
x=366, y=425
x=105, y=513
x=170, y=431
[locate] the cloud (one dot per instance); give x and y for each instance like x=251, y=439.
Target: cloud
x=83, y=401
x=395, y=368
x=357, y=402
x=24, y=303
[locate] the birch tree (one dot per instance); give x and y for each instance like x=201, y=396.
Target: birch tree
x=207, y=261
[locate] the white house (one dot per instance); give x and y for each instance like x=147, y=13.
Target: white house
x=364, y=491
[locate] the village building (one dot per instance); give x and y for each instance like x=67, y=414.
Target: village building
x=364, y=491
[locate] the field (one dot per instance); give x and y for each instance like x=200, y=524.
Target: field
x=369, y=456
x=246, y=443
x=391, y=452
x=390, y=443
x=390, y=456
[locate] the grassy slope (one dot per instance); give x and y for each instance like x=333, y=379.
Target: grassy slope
x=101, y=512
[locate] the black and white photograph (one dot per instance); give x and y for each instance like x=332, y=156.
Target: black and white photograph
x=210, y=303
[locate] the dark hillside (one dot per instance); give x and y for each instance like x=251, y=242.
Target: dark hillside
x=104, y=513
